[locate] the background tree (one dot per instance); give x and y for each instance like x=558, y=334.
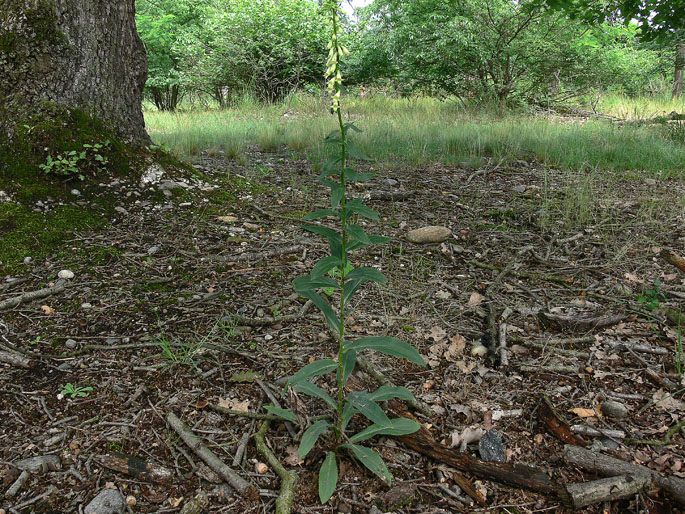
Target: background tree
x=60, y=56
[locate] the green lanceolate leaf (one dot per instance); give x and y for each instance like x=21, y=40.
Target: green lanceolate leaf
x=363, y=403
x=353, y=176
x=316, y=368
x=313, y=390
x=308, y=283
x=322, y=213
x=336, y=196
x=351, y=287
x=328, y=312
x=328, y=477
x=400, y=426
x=351, y=126
x=355, y=152
x=357, y=206
x=311, y=435
x=385, y=392
x=371, y=460
x=325, y=265
x=281, y=413
x=334, y=239
x=349, y=362
x=349, y=411
x=367, y=274
x=357, y=233
x=389, y=346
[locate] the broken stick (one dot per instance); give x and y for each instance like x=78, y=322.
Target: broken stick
x=236, y=481
x=610, y=466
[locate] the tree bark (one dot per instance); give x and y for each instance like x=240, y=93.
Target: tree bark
x=679, y=69
x=67, y=55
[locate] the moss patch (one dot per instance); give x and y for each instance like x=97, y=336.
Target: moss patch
x=25, y=232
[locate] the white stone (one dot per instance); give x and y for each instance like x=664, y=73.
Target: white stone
x=65, y=274
x=5, y=197
x=152, y=175
x=433, y=234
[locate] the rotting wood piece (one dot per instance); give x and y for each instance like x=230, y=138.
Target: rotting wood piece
x=579, y=323
x=138, y=468
x=241, y=485
x=606, y=489
x=32, y=295
x=610, y=466
x=516, y=475
x=674, y=259
x=557, y=425
x=14, y=359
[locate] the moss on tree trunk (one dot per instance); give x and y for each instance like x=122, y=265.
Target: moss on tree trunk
x=71, y=72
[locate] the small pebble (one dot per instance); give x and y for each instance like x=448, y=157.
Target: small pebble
x=121, y=210
x=76, y=192
x=86, y=306
x=71, y=344
x=130, y=500
x=65, y=274
x=27, y=260
x=261, y=468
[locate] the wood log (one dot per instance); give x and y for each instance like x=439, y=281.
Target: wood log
x=241, y=485
x=32, y=295
x=606, y=489
x=579, y=323
x=557, y=425
x=15, y=359
x=610, y=466
x=138, y=468
x=674, y=259
x=516, y=475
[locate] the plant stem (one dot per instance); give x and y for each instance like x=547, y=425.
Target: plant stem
x=343, y=260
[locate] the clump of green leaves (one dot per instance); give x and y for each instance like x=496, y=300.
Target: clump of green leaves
x=336, y=275
x=651, y=297
x=75, y=391
x=75, y=162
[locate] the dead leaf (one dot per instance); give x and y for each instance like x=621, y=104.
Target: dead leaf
x=457, y=344
x=583, y=413
x=443, y=295
x=666, y=402
x=234, y=404
x=429, y=384
x=465, y=368
x=476, y=299
x=175, y=502
x=437, y=334
x=292, y=459
x=47, y=310
x=226, y=219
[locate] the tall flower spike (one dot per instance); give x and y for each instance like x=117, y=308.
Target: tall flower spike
x=335, y=51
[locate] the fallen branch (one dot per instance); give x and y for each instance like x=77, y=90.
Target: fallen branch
x=674, y=259
x=32, y=295
x=241, y=485
x=258, y=256
x=517, y=475
x=606, y=489
x=284, y=502
x=557, y=425
x=609, y=466
x=138, y=468
x=596, y=432
x=14, y=359
x=663, y=442
x=579, y=323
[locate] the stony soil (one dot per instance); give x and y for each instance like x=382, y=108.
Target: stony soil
x=178, y=305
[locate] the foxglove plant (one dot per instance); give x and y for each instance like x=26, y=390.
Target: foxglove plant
x=339, y=280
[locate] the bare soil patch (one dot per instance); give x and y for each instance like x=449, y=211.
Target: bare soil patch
x=180, y=304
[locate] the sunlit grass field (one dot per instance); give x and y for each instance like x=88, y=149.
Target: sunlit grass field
x=420, y=130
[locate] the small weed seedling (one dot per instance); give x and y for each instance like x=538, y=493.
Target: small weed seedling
x=335, y=273
x=75, y=162
x=651, y=297
x=74, y=391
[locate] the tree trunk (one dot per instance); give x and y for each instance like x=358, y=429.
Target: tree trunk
x=72, y=55
x=679, y=68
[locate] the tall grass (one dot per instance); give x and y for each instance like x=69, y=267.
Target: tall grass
x=626, y=107
x=418, y=131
